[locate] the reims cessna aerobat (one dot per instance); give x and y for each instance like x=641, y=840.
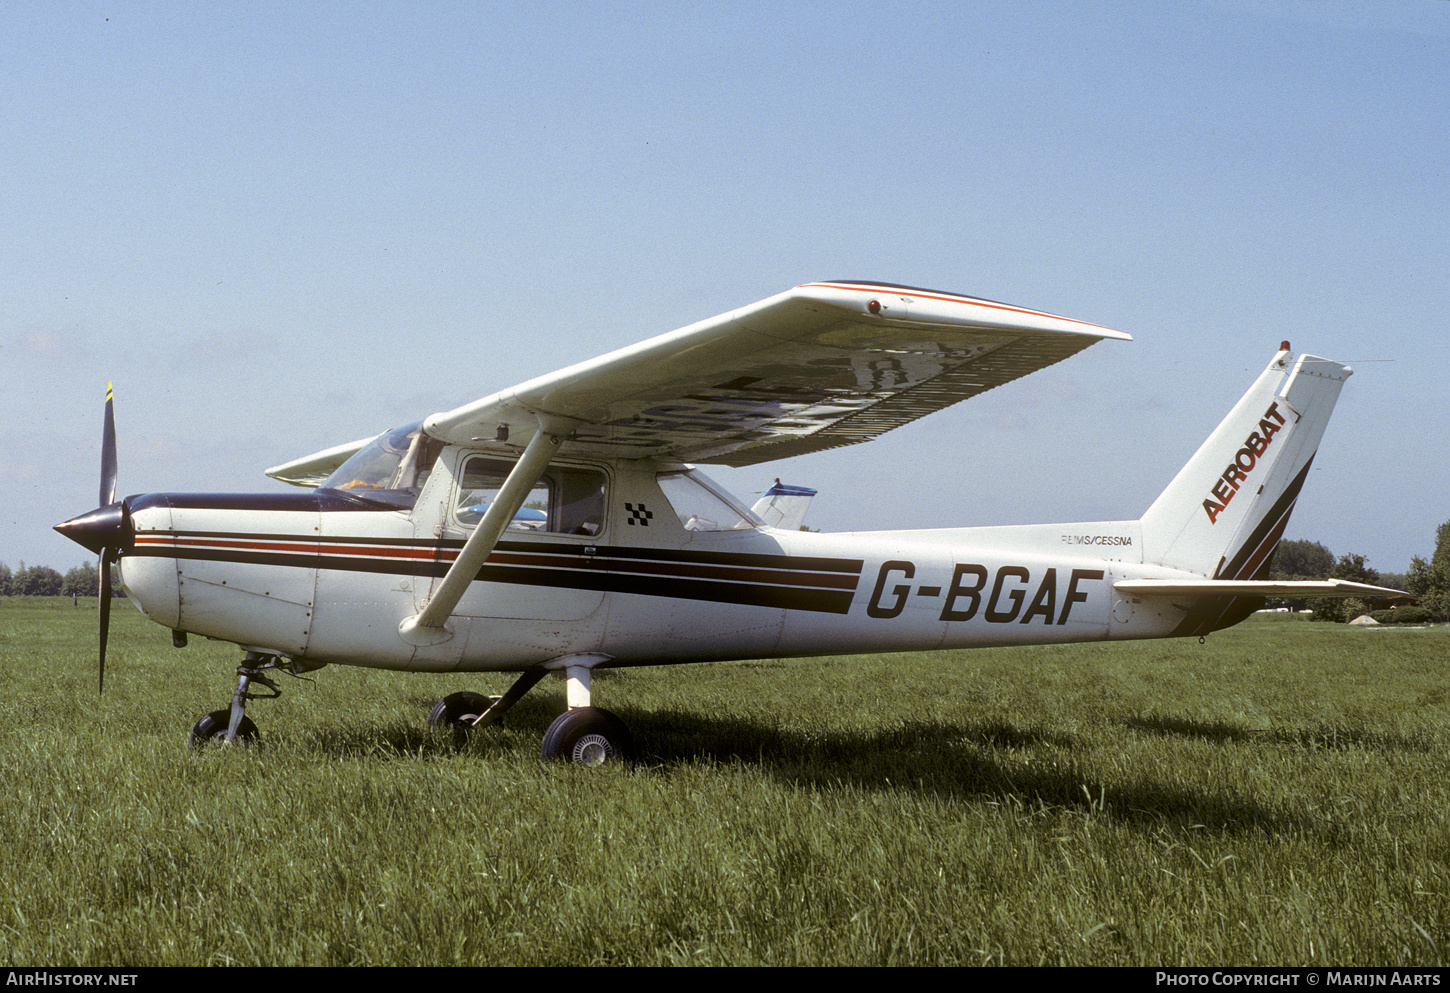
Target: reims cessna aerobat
x=559, y=526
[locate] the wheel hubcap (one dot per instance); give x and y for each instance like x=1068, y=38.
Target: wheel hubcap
x=592, y=749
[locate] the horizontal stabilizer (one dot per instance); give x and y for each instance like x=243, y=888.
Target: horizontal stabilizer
x=1251, y=587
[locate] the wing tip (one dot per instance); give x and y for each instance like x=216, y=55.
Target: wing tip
x=867, y=286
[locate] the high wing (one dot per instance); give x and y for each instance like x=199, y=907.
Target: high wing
x=817, y=367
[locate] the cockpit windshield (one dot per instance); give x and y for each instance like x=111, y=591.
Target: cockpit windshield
x=390, y=469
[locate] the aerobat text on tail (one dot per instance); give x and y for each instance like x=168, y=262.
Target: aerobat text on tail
x=559, y=526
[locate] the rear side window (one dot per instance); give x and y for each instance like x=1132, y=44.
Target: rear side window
x=701, y=505
x=565, y=500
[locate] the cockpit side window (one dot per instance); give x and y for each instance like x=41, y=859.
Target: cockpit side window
x=565, y=500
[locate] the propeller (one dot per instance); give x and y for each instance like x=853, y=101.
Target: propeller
x=106, y=530
x=108, y=552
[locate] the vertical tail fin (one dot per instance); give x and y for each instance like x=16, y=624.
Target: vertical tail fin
x=1224, y=512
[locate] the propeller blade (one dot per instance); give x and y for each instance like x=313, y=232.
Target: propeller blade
x=108, y=497
x=105, y=623
x=108, y=453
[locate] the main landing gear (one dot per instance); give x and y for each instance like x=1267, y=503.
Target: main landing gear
x=588, y=736
x=226, y=727
x=583, y=734
x=462, y=710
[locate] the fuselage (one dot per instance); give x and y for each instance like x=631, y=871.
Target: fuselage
x=641, y=576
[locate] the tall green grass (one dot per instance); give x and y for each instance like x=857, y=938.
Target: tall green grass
x=1275, y=796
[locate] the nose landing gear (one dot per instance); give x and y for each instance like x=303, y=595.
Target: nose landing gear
x=233, y=725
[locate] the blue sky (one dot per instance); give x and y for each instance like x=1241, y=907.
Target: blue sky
x=279, y=227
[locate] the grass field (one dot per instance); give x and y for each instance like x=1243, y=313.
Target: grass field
x=1277, y=795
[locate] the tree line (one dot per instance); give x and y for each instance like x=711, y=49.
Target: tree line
x=1427, y=581
x=42, y=580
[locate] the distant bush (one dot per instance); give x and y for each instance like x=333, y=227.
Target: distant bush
x=1438, y=604
x=1403, y=615
x=1337, y=609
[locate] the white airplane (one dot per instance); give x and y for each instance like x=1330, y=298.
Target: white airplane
x=409, y=551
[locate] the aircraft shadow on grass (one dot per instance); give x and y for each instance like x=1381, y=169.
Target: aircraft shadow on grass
x=950, y=761
x=954, y=761
x=1322, y=737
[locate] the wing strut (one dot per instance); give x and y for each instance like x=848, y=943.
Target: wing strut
x=430, y=625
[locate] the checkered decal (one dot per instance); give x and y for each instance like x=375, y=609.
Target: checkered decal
x=639, y=515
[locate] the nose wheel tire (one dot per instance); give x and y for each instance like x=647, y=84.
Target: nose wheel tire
x=211, y=730
x=589, y=736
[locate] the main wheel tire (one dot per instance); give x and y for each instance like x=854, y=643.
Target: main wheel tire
x=588, y=736
x=458, y=710
x=212, y=730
